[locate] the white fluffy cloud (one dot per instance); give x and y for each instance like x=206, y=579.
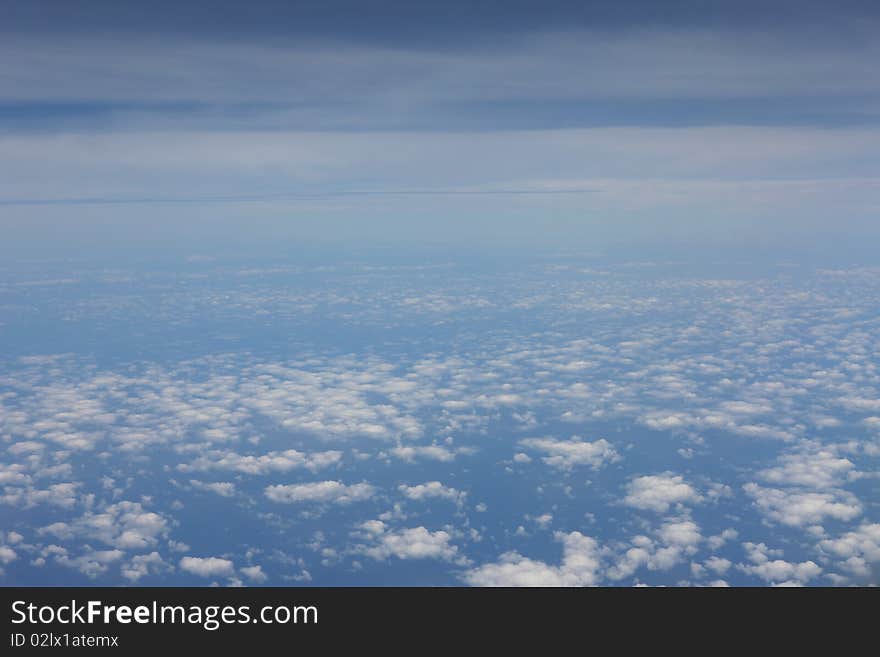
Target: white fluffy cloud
x=777, y=571
x=62, y=495
x=208, y=566
x=659, y=492
x=410, y=543
x=799, y=508
x=124, y=525
x=91, y=564
x=674, y=541
x=820, y=468
x=566, y=454
x=254, y=574
x=423, y=452
x=7, y=554
x=221, y=488
x=858, y=550
x=580, y=566
x=432, y=489
x=142, y=565
x=717, y=565
x=334, y=492
x=285, y=461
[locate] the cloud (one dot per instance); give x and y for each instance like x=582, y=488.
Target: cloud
x=544, y=520
x=13, y=474
x=798, y=508
x=777, y=571
x=680, y=533
x=821, y=468
x=7, y=554
x=567, y=454
x=674, y=540
x=659, y=492
x=283, y=461
x=432, y=490
x=142, y=565
x=719, y=540
x=717, y=565
x=570, y=62
x=859, y=551
x=411, y=543
x=91, y=564
x=713, y=167
x=254, y=574
x=124, y=525
x=426, y=452
x=207, y=566
x=333, y=492
x=866, y=404
x=580, y=566
x=221, y=488
x=703, y=380
x=61, y=495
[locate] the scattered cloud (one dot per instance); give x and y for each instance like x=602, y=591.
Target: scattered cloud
x=580, y=566
x=207, y=566
x=333, y=492
x=567, y=454
x=659, y=492
x=410, y=543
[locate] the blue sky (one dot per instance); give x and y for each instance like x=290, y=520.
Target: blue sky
x=599, y=123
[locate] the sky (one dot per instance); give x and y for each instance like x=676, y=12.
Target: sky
x=444, y=294
x=131, y=127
